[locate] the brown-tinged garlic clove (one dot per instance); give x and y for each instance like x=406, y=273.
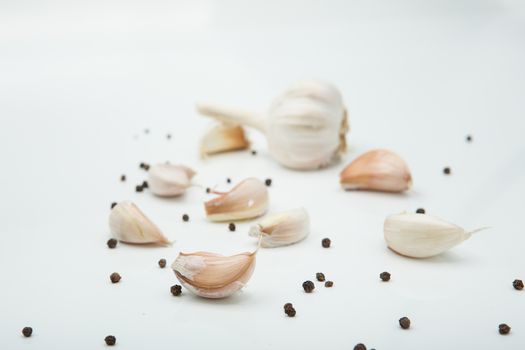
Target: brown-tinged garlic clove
x=223, y=137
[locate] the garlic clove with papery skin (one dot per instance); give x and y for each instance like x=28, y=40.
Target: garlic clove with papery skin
x=247, y=200
x=377, y=170
x=212, y=275
x=169, y=180
x=282, y=229
x=422, y=235
x=129, y=224
x=305, y=127
x=223, y=137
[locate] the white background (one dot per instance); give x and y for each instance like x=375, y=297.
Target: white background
x=79, y=81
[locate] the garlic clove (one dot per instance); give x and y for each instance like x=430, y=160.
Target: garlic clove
x=223, y=137
x=281, y=229
x=422, y=235
x=128, y=224
x=169, y=180
x=377, y=170
x=212, y=275
x=247, y=200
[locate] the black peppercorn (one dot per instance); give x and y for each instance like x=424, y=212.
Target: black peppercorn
x=176, y=290
x=231, y=226
x=326, y=242
x=504, y=328
x=141, y=165
x=290, y=311
x=122, y=177
x=27, y=331
x=145, y=184
x=446, y=170
x=385, y=276
x=420, y=211
x=404, y=322
x=110, y=340
x=138, y=188
x=319, y=276
x=268, y=182
x=112, y=243
x=308, y=286
x=287, y=306
x=162, y=263
x=254, y=152
x=146, y=167
x=146, y=131
x=360, y=346
x=329, y=284
x=114, y=277
x=469, y=138
x=518, y=284
x=113, y=205
x=208, y=190
x=168, y=136
x=185, y=218
x=228, y=180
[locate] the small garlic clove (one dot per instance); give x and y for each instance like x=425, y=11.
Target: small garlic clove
x=283, y=228
x=128, y=224
x=247, y=200
x=421, y=235
x=377, y=170
x=212, y=275
x=223, y=137
x=169, y=180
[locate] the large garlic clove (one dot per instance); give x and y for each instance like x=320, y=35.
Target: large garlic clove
x=247, y=200
x=305, y=127
x=128, y=224
x=223, y=138
x=377, y=170
x=283, y=228
x=422, y=235
x=212, y=275
x=169, y=180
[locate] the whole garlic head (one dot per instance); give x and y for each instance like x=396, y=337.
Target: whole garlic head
x=168, y=180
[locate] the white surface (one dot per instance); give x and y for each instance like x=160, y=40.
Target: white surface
x=79, y=79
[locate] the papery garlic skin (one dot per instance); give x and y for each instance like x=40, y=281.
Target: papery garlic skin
x=282, y=229
x=212, y=275
x=421, y=235
x=128, y=224
x=223, y=137
x=169, y=180
x=305, y=127
x=377, y=170
x=247, y=200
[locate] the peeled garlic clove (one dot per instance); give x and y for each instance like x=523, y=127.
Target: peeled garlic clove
x=247, y=200
x=223, y=138
x=421, y=235
x=377, y=170
x=305, y=127
x=283, y=228
x=212, y=275
x=168, y=180
x=128, y=224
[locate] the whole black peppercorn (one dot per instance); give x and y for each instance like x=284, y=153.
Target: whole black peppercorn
x=469, y=138
x=287, y=306
x=329, y=284
x=146, y=167
x=320, y=276
x=446, y=170
x=27, y=331
x=360, y=346
x=208, y=190
x=517, y=284
x=268, y=182
x=142, y=164
x=168, y=136
x=146, y=131
x=290, y=312
x=231, y=226
x=114, y=277
x=138, y=188
x=110, y=340
x=504, y=328
x=162, y=263
x=113, y=205
x=112, y=243
x=145, y=184
x=122, y=177
x=308, y=286
x=420, y=211
x=176, y=290
x=228, y=180
x=326, y=242
x=254, y=152
x=404, y=322
x=185, y=218
x=385, y=276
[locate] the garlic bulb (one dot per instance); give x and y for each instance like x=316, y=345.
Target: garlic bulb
x=422, y=235
x=168, y=180
x=128, y=224
x=223, y=137
x=283, y=228
x=377, y=170
x=247, y=200
x=212, y=275
x=305, y=127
